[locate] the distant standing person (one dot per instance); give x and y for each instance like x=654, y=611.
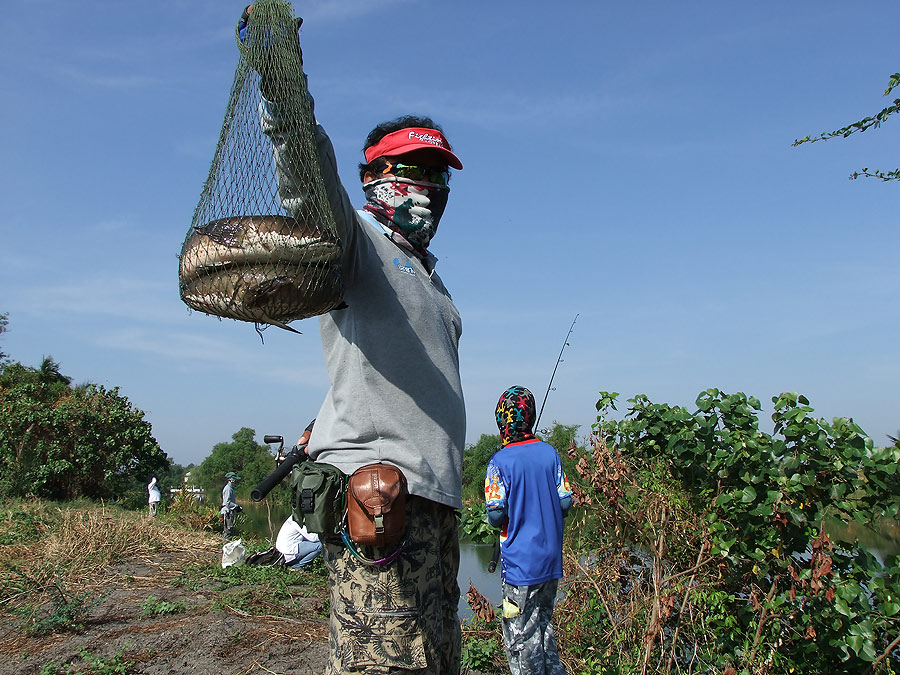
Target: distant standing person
x=230, y=507
x=527, y=496
x=155, y=496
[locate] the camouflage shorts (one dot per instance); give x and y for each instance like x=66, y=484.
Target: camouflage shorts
x=527, y=631
x=401, y=617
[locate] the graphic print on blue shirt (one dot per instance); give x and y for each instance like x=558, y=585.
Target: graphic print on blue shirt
x=405, y=266
x=527, y=481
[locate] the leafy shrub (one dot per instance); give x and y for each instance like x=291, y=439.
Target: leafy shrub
x=93, y=664
x=153, y=606
x=24, y=522
x=61, y=442
x=252, y=461
x=710, y=545
x=474, y=524
x=64, y=614
x=482, y=648
x=475, y=461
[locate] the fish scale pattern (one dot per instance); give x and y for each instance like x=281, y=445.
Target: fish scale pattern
x=253, y=253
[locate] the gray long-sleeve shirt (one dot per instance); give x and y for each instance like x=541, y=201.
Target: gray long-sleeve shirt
x=392, y=354
x=228, y=499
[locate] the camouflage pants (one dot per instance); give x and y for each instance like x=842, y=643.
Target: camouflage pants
x=401, y=617
x=527, y=631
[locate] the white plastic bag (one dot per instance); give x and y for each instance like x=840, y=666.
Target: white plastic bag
x=233, y=553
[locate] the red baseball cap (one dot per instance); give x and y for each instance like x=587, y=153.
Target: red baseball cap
x=413, y=138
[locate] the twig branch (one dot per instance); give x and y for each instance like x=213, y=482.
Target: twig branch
x=261, y=667
x=655, y=621
x=763, y=617
x=687, y=594
x=602, y=597
x=692, y=570
x=884, y=655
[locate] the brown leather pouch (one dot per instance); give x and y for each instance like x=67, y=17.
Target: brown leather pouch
x=376, y=505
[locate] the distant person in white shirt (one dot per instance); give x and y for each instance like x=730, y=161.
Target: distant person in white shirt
x=298, y=546
x=155, y=497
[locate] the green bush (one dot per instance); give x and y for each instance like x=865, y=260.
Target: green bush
x=93, y=665
x=474, y=524
x=62, y=442
x=482, y=648
x=65, y=613
x=153, y=606
x=475, y=461
x=715, y=536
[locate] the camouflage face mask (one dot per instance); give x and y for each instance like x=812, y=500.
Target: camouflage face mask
x=413, y=207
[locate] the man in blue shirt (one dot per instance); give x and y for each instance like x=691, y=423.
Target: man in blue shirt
x=527, y=496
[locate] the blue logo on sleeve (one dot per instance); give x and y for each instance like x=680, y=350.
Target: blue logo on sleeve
x=405, y=266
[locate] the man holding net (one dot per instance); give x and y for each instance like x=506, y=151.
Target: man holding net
x=395, y=396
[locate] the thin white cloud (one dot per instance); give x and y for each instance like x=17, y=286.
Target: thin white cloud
x=487, y=107
x=341, y=10
x=183, y=346
x=10, y=262
x=110, y=225
x=192, y=350
x=109, y=81
x=133, y=299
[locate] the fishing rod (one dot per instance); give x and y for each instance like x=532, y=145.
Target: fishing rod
x=495, y=554
x=559, y=360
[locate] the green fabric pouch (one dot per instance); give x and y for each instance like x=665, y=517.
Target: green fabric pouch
x=317, y=497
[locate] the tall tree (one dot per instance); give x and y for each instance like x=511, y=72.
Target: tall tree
x=562, y=437
x=4, y=323
x=243, y=455
x=49, y=372
x=61, y=443
x=860, y=126
x=475, y=461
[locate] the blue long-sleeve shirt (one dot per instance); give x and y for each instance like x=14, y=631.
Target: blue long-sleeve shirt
x=526, y=485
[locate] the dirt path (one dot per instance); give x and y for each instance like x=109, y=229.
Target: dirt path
x=145, y=613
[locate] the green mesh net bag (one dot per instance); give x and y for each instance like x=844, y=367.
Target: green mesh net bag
x=263, y=246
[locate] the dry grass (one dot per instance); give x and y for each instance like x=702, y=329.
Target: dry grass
x=285, y=629
x=71, y=546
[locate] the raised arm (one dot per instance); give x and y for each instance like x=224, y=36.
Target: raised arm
x=289, y=160
x=287, y=116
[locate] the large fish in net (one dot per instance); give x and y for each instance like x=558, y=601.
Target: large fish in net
x=254, y=253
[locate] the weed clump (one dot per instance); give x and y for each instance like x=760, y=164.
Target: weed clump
x=47, y=548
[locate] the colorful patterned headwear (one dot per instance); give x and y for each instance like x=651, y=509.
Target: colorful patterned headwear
x=515, y=415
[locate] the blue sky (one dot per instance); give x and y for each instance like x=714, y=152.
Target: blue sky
x=627, y=162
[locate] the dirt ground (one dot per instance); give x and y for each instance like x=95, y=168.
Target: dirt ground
x=203, y=635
